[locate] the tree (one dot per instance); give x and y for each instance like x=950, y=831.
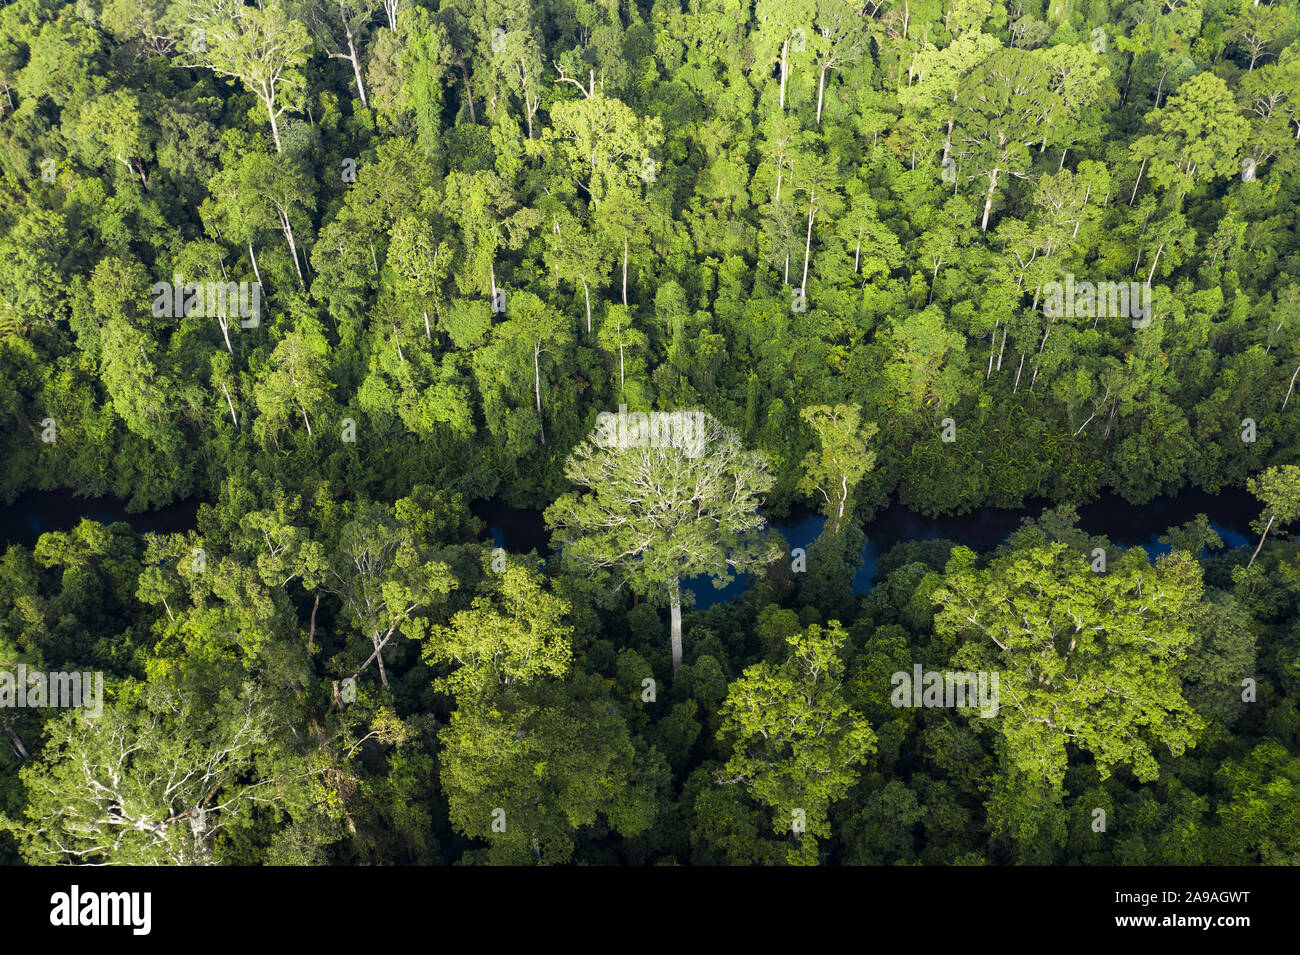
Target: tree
x=262, y=47
x=661, y=510
x=384, y=579
x=619, y=332
x=778, y=21
x=148, y=783
x=295, y=382
x=351, y=17
x=1279, y=489
x=1085, y=658
x=523, y=770
x=600, y=142
x=259, y=192
x=1258, y=815
x=841, y=461
x=1000, y=115
x=423, y=263
x=531, y=326
x=510, y=636
x=574, y=254
x=533, y=751
x=1201, y=134
x=1257, y=26
x=793, y=737
x=841, y=41
x=111, y=127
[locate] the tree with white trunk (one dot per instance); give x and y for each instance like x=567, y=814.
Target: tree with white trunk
x=337, y=26
x=263, y=47
x=1279, y=489
x=660, y=505
x=841, y=460
x=154, y=782
x=1003, y=110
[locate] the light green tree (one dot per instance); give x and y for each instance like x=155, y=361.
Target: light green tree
x=1084, y=658
x=656, y=514
x=795, y=741
x=1279, y=489
x=153, y=782
x=263, y=47
x=834, y=469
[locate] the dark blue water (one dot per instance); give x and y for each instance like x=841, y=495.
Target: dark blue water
x=519, y=531
x=37, y=512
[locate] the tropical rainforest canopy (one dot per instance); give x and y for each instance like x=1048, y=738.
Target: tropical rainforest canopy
x=341, y=268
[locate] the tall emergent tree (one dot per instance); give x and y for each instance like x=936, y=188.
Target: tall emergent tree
x=659, y=507
x=155, y=782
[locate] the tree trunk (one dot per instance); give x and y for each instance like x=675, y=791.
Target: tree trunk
x=379, y=657
x=469, y=93
x=625, y=272
x=1039, y=363
x=844, y=500
x=1290, y=387
x=275, y=127
x=821, y=86
x=529, y=109
x=1141, y=169
x=537, y=386
x=675, y=619
x=807, y=248
x=252, y=256
x=1154, y=263
x=231, y=404
x=293, y=246
x=1261, y=541
x=311, y=633
x=586, y=295
x=988, y=201
x=356, y=70
x=993, y=346
x=14, y=738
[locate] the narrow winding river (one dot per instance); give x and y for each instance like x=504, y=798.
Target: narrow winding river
x=1129, y=525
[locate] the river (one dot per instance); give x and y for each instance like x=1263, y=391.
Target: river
x=1128, y=525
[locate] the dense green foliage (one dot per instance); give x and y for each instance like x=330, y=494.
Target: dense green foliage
x=831, y=226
